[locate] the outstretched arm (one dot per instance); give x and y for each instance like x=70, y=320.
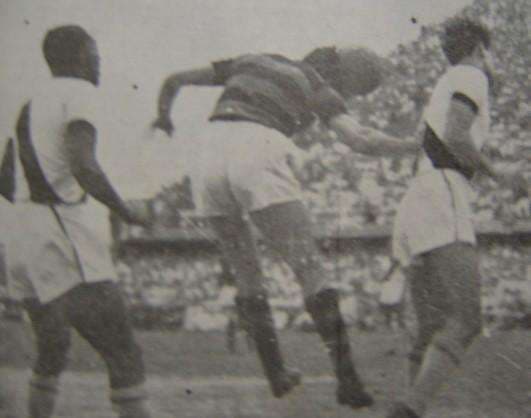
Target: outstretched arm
x=461, y=115
x=81, y=147
x=366, y=140
x=170, y=89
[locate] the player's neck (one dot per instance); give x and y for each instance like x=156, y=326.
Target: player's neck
x=78, y=75
x=472, y=61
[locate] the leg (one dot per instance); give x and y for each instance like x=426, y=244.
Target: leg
x=288, y=229
x=230, y=332
x=427, y=297
x=98, y=313
x=456, y=267
x=388, y=315
x=52, y=332
x=239, y=249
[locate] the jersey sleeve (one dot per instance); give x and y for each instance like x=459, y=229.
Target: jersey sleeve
x=82, y=103
x=222, y=71
x=470, y=86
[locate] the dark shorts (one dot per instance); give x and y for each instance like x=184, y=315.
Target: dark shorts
x=98, y=313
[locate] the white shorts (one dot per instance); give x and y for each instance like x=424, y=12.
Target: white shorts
x=243, y=167
x=49, y=253
x=434, y=212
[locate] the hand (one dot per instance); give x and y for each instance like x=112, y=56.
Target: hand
x=163, y=123
x=328, y=103
x=138, y=213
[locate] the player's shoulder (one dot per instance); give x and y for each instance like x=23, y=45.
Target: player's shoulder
x=79, y=99
x=467, y=75
x=264, y=59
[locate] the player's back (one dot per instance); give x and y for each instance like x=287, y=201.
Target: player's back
x=270, y=89
x=41, y=132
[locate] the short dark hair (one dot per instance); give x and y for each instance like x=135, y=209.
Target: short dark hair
x=326, y=62
x=461, y=36
x=350, y=71
x=62, y=45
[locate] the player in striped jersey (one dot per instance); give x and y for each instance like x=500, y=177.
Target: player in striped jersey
x=245, y=175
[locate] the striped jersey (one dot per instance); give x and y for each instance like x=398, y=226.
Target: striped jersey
x=268, y=89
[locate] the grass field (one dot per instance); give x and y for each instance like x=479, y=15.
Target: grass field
x=192, y=375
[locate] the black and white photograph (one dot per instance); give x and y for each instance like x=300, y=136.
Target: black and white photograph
x=265, y=209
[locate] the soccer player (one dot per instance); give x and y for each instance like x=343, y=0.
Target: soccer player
x=59, y=267
x=433, y=232
x=245, y=176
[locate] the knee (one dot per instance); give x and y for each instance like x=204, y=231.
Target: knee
x=125, y=365
x=470, y=329
x=52, y=355
x=456, y=336
x=464, y=328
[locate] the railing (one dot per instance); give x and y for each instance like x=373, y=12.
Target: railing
x=194, y=229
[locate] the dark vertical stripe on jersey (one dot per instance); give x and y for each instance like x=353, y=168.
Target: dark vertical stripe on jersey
x=7, y=172
x=40, y=189
x=440, y=156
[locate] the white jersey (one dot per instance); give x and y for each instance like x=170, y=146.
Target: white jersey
x=57, y=103
x=53, y=248
x=436, y=210
x=470, y=82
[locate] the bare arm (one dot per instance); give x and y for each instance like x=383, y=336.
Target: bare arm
x=170, y=89
x=81, y=142
x=458, y=138
x=365, y=140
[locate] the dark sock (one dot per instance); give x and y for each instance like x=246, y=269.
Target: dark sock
x=257, y=320
x=130, y=402
x=42, y=396
x=324, y=310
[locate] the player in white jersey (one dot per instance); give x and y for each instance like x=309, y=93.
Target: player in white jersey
x=433, y=231
x=58, y=266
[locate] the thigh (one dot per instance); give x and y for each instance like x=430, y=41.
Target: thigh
x=429, y=300
x=456, y=269
x=288, y=229
x=98, y=312
x=239, y=250
x=260, y=174
x=51, y=327
x=99, y=315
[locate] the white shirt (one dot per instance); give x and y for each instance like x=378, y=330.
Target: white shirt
x=471, y=82
x=56, y=104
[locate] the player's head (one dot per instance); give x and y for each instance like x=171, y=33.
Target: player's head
x=71, y=52
x=462, y=38
x=466, y=40
x=350, y=71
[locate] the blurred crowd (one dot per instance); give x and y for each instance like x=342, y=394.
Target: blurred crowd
x=170, y=289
